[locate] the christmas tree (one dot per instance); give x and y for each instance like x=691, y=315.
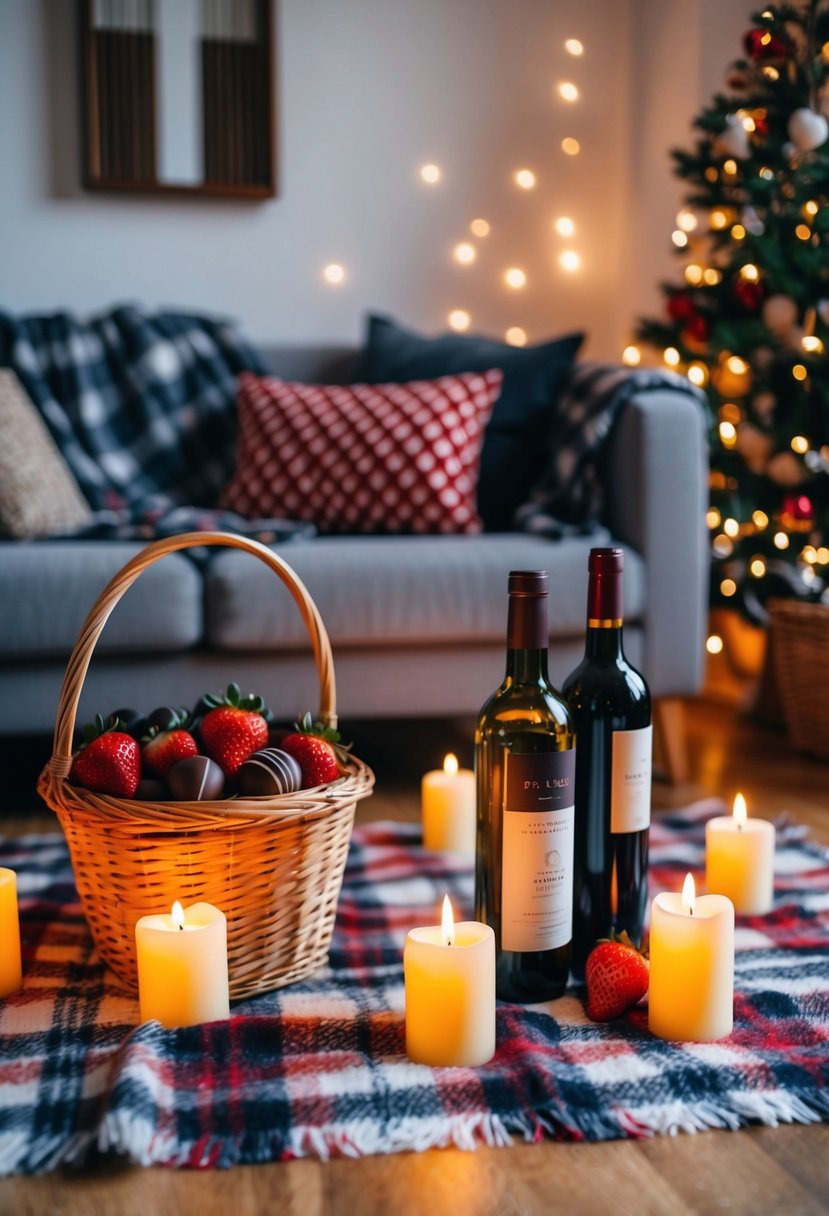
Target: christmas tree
x=749, y=321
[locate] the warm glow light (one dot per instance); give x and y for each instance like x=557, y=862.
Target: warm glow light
x=823, y=555
x=757, y=567
x=719, y=219
x=515, y=336
x=693, y=274
x=713, y=517
x=722, y=546
x=177, y=915
x=766, y=173
x=736, y=365
x=573, y=46
x=450, y=763
x=781, y=540
x=811, y=344
x=800, y=444
x=811, y=208
x=738, y=232
x=698, y=374
x=714, y=644
x=430, y=174
x=712, y=276
x=728, y=587
x=671, y=356
x=570, y=146
x=740, y=813
x=689, y=895
x=568, y=91
x=749, y=272
x=464, y=253
x=525, y=178
x=770, y=72
x=333, y=273
x=479, y=227
x=799, y=371
x=447, y=923
x=728, y=434
x=729, y=166
x=459, y=319
x=565, y=226
x=686, y=220
x=748, y=123
x=570, y=261
x=761, y=520
x=632, y=356
x=515, y=277
x=809, y=554
x=711, y=174
x=731, y=528
x=679, y=238
x=804, y=232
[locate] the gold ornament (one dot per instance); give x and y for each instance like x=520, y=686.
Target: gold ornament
x=732, y=376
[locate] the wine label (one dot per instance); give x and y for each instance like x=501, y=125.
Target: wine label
x=630, y=780
x=537, y=851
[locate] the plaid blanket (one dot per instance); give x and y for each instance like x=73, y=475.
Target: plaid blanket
x=568, y=499
x=141, y=405
x=319, y=1068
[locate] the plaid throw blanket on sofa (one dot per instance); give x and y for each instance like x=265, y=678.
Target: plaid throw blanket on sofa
x=319, y=1068
x=568, y=498
x=142, y=407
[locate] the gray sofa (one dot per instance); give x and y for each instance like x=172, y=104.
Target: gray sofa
x=416, y=623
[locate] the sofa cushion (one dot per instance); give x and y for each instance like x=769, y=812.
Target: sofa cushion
x=38, y=494
x=47, y=588
x=515, y=444
x=390, y=591
x=382, y=458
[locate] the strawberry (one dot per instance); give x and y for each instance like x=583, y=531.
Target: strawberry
x=318, y=751
x=617, y=976
x=234, y=729
x=109, y=761
x=165, y=746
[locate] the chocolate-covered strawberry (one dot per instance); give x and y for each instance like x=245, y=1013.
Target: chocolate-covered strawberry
x=234, y=729
x=108, y=762
x=164, y=747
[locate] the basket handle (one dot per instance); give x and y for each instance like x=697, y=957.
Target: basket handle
x=79, y=660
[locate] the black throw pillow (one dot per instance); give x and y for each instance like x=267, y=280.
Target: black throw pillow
x=516, y=441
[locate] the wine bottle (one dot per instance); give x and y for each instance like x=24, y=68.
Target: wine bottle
x=525, y=772
x=611, y=708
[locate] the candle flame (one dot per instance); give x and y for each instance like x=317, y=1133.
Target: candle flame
x=447, y=923
x=740, y=812
x=689, y=895
x=450, y=763
x=178, y=915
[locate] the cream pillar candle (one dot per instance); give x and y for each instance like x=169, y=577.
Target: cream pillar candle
x=691, y=993
x=739, y=860
x=11, y=973
x=449, y=973
x=182, y=966
x=448, y=808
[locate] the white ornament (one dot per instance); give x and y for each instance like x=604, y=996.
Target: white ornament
x=807, y=129
x=780, y=315
x=733, y=141
x=752, y=222
x=823, y=311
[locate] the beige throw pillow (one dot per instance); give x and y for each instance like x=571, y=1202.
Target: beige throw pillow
x=38, y=494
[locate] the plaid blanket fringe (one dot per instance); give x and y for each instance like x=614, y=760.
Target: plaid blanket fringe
x=319, y=1069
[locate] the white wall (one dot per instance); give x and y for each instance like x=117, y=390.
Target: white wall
x=367, y=91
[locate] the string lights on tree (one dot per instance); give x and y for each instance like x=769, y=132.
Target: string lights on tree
x=748, y=322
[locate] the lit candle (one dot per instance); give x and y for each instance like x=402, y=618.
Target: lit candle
x=739, y=860
x=11, y=974
x=447, y=798
x=182, y=966
x=691, y=993
x=449, y=973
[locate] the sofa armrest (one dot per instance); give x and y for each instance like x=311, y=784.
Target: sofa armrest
x=656, y=486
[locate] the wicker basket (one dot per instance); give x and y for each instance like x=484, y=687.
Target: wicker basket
x=799, y=646
x=273, y=865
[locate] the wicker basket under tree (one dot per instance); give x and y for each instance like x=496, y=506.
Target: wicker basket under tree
x=273, y=865
x=799, y=646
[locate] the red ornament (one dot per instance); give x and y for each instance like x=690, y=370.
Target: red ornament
x=750, y=294
x=697, y=330
x=761, y=125
x=681, y=306
x=799, y=507
x=760, y=46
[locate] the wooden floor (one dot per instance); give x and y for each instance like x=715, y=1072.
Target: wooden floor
x=746, y=1173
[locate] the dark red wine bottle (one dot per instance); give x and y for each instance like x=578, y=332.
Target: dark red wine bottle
x=611, y=708
x=525, y=772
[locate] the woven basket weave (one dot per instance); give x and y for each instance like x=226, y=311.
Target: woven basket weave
x=273, y=865
x=799, y=646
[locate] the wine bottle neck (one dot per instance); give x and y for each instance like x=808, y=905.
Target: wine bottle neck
x=527, y=638
x=603, y=641
x=527, y=666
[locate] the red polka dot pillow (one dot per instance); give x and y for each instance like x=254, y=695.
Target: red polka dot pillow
x=362, y=457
